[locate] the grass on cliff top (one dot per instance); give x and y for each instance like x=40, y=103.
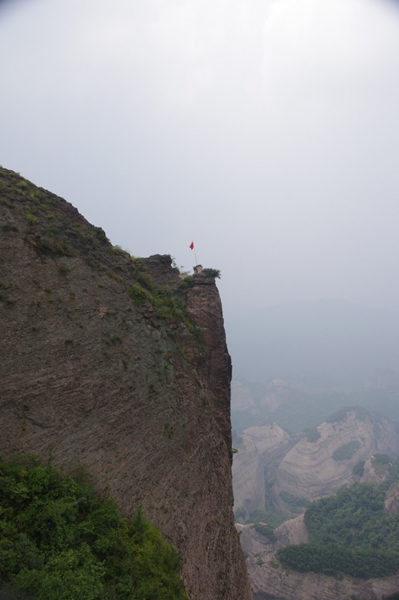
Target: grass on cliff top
x=60, y=540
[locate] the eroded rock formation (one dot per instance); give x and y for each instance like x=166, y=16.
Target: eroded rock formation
x=103, y=363
x=261, y=447
x=309, y=469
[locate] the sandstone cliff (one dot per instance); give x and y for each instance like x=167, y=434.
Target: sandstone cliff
x=109, y=362
x=262, y=446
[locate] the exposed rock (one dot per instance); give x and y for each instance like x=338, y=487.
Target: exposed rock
x=260, y=446
x=392, y=500
x=292, y=532
x=309, y=470
x=93, y=372
x=371, y=475
x=252, y=542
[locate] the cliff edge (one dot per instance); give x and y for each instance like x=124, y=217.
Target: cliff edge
x=117, y=364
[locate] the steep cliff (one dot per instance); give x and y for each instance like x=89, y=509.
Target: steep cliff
x=262, y=447
x=114, y=363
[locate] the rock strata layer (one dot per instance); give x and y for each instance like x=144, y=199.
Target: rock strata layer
x=103, y=364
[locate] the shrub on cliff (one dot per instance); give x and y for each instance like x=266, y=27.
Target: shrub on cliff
x=59, y=540
x=212, y=273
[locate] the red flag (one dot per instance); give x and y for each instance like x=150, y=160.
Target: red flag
x=192, y=245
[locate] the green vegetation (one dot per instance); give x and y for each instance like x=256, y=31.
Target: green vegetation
x=187, y=282
x=382, y=463
x=312, y=434
x=346, y=451
x=212, y=273
x=294, y=503
x=273, y=518
x=54, y=229
x=334, y=558
x=358, y=469
x=167, y=307
x=265, y=530
x=61, y=540
x=349, y=533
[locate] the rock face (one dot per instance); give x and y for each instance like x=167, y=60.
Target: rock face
x=261, y=445
x=103, y=364
x=392, y=500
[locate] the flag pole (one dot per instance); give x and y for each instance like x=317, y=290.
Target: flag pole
x=192, y=247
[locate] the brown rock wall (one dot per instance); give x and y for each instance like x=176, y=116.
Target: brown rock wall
x=90, y=376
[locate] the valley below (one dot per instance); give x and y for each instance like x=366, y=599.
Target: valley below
x=278, y=474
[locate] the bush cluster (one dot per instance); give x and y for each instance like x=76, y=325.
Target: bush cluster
x=346, y=451
x=60, y=540
x=349, y=533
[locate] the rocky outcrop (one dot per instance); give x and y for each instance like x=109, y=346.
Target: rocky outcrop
x=269, y=457
x=290, y=532
x=111, y=363
x=261, y=445
x=392, y=500
x=311, y=469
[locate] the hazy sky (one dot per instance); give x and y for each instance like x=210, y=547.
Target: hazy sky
x=265, y=131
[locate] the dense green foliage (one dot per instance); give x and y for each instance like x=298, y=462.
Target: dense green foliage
x=349, y=533
x=212, y=272
x=60, y=540
x=272, y=517
x=265, y=530
x=187, y=282
x=294, y=503
x=358, y=469
x=382, y=463
x=312, y=434
x=335, y=558
x=346, y=451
